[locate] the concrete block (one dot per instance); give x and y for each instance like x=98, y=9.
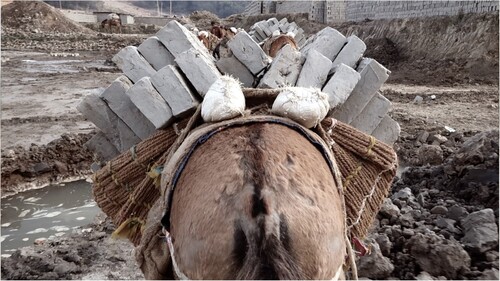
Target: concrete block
x=178, y=39
x=328, y=42
x=373, y=75
x=153, y=50
x=132, y=64
x=150, y=103
x=273, y=28
x=100, y=145
x=292, y=29
x=254, y=38
x=232, y=66
x=200, y=71
x=116, y=131
x=273, y=21
x=284, y=70
x=299, y=38
x=387, y=131
x=341, y=84
x=248, y=52
x=300, y=32
x=314, y=71
x=284, y=27
x=172, y=86
x=119, y=102
x=265, y=28
x=283, y=21
x=301, y=42
x=351, y=53
x=260, y=33
x=372, y=114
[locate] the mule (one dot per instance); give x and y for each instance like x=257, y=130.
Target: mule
x=258, y=202
x=274, y=45
x=110, y=23
x=209, y=40
x=228, y=34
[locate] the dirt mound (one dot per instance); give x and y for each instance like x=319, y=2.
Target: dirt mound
x=384, y=50
x=440, y=50
x=202, y=19
x=446, y=214
x=37, y=16
x=62, y=158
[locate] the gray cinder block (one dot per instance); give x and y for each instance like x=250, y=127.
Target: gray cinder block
x=372, y=114
x=200, y=71
x=351, y=53
x=178, y=39
x=387, y=131
x=117, y=99
x=314, y=71
x=174, y=89
x=153, y=50
x=102, y=147
x=328, y=42
x=264, y=26
x=341, y=84
x=133, y=65
x=230, y=65
x=150, y=103
x=373, y=75
x=248, y=52
x=116, y=131
x=284, y=70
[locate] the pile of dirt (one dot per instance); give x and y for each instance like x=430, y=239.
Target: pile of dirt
x=37, y=16
x=384, y=50
x=127, y=29
x=441, y=50
x=202, y=19
x=444, y=213
x=15, y=39
x=39, y=165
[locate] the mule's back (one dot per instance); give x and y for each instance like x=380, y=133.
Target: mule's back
x=257, y=202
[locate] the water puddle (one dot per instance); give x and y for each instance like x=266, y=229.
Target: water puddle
x=60, y=66
x=39, y=214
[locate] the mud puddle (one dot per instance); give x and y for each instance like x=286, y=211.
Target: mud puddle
x=40, y=214
x=61, y=66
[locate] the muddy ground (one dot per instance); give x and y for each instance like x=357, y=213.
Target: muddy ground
x=443, y=208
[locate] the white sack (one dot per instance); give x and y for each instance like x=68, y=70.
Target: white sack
x=224, y=100
x=307, y=106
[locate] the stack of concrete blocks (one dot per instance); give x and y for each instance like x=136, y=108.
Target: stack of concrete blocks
x=352, y=82
x=333, y=63
x=247, y=61
x=168, y=74
x=262, y=30
x=163, y=80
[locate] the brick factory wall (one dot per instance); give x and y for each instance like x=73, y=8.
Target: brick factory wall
x=339, y=11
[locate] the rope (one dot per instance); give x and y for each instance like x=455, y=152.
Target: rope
x=177, y=271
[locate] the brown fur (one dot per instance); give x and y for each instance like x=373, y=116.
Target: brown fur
x=110, y=23
x=210, y=42
x=257, y=202
x=279, y=42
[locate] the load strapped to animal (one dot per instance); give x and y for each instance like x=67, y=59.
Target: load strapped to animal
x=269, y=182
